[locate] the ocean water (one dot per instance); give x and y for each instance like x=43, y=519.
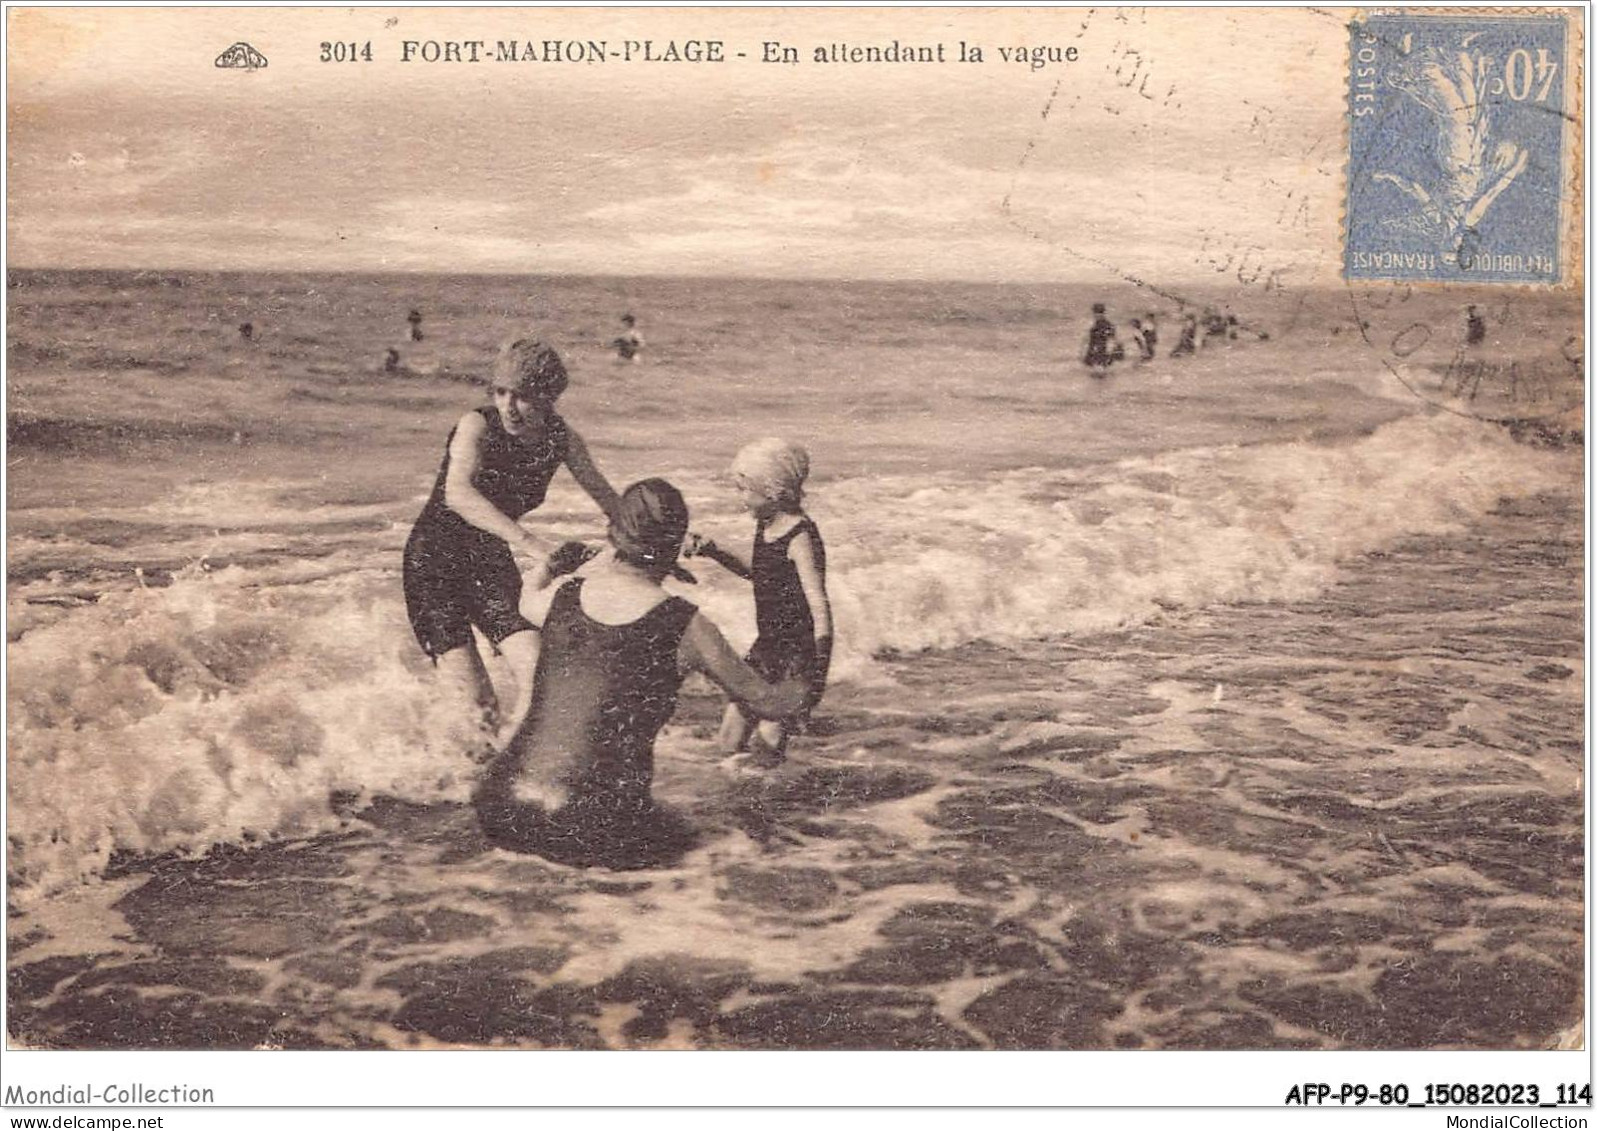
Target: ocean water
x=208, y=654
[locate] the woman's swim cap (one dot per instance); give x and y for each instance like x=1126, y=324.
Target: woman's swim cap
x=530, y=366
x=649, y=524
x=774, y=468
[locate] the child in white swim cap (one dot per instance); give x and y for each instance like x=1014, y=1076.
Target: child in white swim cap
x=788, y=569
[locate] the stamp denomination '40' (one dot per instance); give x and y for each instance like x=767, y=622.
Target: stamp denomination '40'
x=1456, y=149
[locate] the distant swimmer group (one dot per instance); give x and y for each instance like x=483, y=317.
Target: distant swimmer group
x=1105, y=349
x=597, y=660
x=627, y=344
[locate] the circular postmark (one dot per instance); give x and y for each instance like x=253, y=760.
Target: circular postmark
x=1455, y=192
x=1505, y=356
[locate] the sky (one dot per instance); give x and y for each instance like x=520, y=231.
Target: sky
x=1184, y=145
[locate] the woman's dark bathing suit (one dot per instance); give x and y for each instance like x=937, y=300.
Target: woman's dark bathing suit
x=456, y=575
x=601, y=693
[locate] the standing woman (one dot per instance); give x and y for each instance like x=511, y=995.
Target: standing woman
x=460, y=562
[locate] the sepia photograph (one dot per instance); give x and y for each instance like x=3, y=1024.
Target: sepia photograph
x=615, y=530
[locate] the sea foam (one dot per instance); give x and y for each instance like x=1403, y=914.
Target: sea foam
x=232, y=704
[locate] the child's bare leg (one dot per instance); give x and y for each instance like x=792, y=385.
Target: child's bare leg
x=735, y=728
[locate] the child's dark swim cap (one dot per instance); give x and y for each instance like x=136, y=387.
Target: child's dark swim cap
x=530, y=367
x=649, y=524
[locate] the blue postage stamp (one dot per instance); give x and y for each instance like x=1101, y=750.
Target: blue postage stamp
x=1456, y=148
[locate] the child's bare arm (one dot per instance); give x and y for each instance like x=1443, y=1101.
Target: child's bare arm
x=726, y=559
x=805, y=553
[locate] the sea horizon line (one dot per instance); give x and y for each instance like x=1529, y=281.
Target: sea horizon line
x=439, y=273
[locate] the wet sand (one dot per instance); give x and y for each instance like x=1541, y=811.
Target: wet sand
x=1348, y=822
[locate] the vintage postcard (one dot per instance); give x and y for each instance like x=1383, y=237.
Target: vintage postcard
x=606, y=530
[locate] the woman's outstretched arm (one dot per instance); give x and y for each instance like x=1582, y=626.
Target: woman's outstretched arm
x=588, y=476
x=705, y=650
